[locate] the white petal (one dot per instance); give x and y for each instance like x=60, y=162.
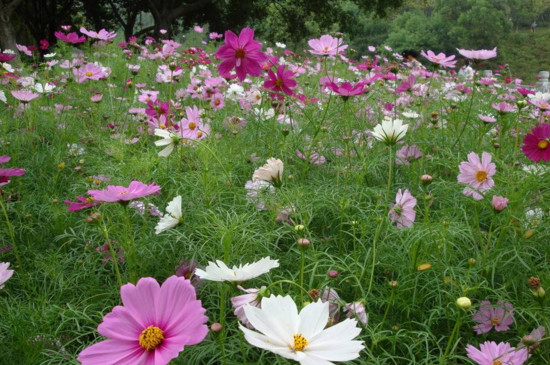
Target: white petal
x=167, y=151
x=174, y=207
x=166, y=222
x=313, y=319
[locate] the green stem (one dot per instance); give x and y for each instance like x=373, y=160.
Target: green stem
x=302, y=265
x=11, y=233
x=454, y=333
x=130, y=246
x=376, y=236
x=113, y=254
x=467, y=115
x=390, y=174
x=222, y=322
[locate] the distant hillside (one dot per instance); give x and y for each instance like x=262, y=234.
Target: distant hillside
x=526, y=53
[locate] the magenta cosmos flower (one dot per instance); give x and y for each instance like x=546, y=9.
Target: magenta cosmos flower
x=70, y=38
x=326, y=45
x=152, y=327
x=282, y=81
x=536, y=145
x=347, y=89
x=82, y=203
x=102, y=35
x=6, y=57
x=6, y=173
x=114, y=193
x=24, y=96
x=241, y=53
x=403, y=212
x=477, y=174
x=502, y=354
x=482, y=54
x=499, y=316
x=440, y=59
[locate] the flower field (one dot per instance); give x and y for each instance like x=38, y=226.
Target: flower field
x=218, y=200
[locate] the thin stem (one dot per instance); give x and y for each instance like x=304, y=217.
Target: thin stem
x=130, y=245
x=113, y=254
x=11, y=233
x=455, y=331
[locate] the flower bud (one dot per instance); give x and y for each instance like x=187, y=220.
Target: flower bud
x=393, y=284
x=303, y=242
x=215, y=327
x=539, y=293
x=299, y=227
x=426, y=179
x=332, y=274
x=464, y=303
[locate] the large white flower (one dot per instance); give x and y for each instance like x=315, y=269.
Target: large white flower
x=220, y=272
x=5, y=274
x=272, y=171
x=301, y=336
x=172, y=217
x=390, y=131
x=169, y=139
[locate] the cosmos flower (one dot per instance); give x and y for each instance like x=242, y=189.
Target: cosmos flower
x=6, y=173
x=440, y=59
x=499, y=203
x=499, y=316
x=251, y=297
x=89, y=71
x=5, y=273
x=403, y=212
x=326, y=45
x=536, y=145
x=102, y=35
x=482, y=54
x=271, y=172
x=173, y=216
x=282, y=81
x=301, y=337
x=490, y=353
x=357, y=310
x=193, y=127
x=347, y=89
x=151, y=327
x=116, y=193
x=241, y=53
x=70, y=38
x=24, y=96
x=477, y=174
x=83, y=203
x=220, y=272
x=390, y=131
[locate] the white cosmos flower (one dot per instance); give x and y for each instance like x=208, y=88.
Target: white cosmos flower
x=44, y=88
x=50, y=55
x=5, y=274
x=173, y=216
x=272, y=171
x=3, y=97
x=220, y=272
x=169, y=140
x=7, y=67
x=390, y=131
x=301, y=336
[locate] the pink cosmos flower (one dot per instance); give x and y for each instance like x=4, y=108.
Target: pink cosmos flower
x=330, y=295
x=102, y=35
x=281, y=82
x=491, y=354
x=403, y=212
x=198, y=29
x=24, y=49
x=477, y=174
x=251, y=297
x=241, y=53
x=482, y=54
x=347, y=89
x=193, y=127
x=540, y=103
x=536, y=145
x=499, y=203
x=499, y=316
x=82, y=203
x=440, y=59
x=89, y=72
x=115, y=193
x=357, y=310
x=524, y=91
x=6, y=57
x=151, y=327
x=314, y=157
x=24, y=96
x=487, y=118
x=326, y=45
x=5, y=273
x=6, y=173
x=70, y=38
x=406, y=154
x=504, y=107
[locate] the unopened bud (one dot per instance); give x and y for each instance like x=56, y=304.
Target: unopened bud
x=303, y=242
x=299, y=227
x=215, y=327
x=426, y=179
x=332, y=274
x=464, y=303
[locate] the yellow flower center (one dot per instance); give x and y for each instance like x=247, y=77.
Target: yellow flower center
x=325, y=48
x=495, y=321
x=89, y=74
x=497, y=362
x=151, y=338
x=89, y=199
x=240, y=53
x=162, y=126
x=481, y=176
x=279, y=83
x=437, y=59
x=543, y=144
x=192, y=125
x=300, y=342
x=199, y=134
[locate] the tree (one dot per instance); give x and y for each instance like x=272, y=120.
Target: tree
x=7, y=32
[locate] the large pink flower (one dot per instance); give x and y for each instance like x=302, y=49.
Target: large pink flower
x=477, y=174
x=326, y=45
x=6, y=173
x=440, y=59
x=536, y=145
x=70, y=38
x=482, y=54
x=403, y=212
x=281, y=82
x=347, y=89
x=490, y=354
x=24, y=96
x=241, y=53
x=152, y=327
x=115, y=193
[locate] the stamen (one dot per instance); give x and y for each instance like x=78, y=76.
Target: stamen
x=481, y=176
x=300, y=342
x=151, y=338
x=543, y=144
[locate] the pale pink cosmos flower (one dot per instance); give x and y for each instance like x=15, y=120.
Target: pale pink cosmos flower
x=102, y=35
x=153, y=325
x=5, y=274
x=89, y=71
x=540, y=103
x=406, y=154
x=440, y=59
x=490, y=353
x=403, y=212
x=251, y=297
x=487, y=118
x=482, y=54
x=241, y=53
x=326, y=45
x=24, y=49
x=115, y=193
x=193, y=127
x=356, y=310
x=504, y=107
x=198, y=29
x=499, y=202
x=499, y=316
x=24, y=96
x=477, y=174
x=314, y=158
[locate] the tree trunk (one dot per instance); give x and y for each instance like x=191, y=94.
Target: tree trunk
x=7, y=32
